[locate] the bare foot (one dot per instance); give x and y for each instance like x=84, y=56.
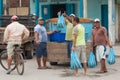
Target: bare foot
x=40, y=67
x=86, y=74
x=76, y=74
x=46, y=67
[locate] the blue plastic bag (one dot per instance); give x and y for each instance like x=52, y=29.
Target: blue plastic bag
x=61, y=21
x=111, y=57
x=91, y=60
x=75, y=63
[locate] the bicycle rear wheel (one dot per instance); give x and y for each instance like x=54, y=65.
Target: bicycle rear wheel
x=3, y=60
x=20, y=64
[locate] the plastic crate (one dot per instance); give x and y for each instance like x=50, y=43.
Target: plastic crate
x=57, y=37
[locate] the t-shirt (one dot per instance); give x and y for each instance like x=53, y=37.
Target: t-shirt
x=41, y=32
x=80, y=31
x=69, y=30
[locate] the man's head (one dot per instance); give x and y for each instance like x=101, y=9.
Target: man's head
x=14, y=18
x=97, y=23
x=41, y=21
x=75, y=21
x=72, y=16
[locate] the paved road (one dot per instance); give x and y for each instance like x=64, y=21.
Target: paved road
x=61, y=72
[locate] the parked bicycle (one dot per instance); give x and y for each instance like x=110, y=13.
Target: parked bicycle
x=17, y=60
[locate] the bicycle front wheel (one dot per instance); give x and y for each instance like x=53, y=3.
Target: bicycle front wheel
x=20, y=64
x=3, y=60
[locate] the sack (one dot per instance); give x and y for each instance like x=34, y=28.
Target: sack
x=75, y=62
x=111, y=57
x=91, y=60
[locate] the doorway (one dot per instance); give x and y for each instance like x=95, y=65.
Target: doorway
x=55, y=8
x=104, y=16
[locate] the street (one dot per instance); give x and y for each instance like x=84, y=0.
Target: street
x=61, y=72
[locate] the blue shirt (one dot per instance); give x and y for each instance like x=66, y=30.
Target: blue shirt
x=42, y=34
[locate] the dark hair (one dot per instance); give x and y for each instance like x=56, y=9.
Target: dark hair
x=76, y=19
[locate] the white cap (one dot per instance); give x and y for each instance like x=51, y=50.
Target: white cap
x=97, y=20
x=72, y=15
x=40, y=18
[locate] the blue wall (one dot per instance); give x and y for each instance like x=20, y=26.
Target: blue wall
x=94, y=8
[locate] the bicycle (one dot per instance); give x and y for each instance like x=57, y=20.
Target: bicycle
x=17, y=60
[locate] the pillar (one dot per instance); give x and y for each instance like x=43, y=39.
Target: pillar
x=85, y=8
x=111, y=21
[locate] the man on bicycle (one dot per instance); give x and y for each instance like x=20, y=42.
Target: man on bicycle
x=15, y=33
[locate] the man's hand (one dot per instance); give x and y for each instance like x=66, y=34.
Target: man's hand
x=91, y=49
x=110, y=46
x=73, y=48
x=56, y=31
x=37, y=42
x=64, y=14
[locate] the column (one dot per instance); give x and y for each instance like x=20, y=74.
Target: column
x=81, y=8
x=111, y=21
x=85, y=8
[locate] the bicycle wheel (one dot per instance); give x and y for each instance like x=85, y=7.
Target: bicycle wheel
x=20, y=64
x=3, y=60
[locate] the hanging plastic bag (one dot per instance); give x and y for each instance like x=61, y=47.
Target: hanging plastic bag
x=75, y=62
x=111, y=57
x=61, y=20
x=91, y=60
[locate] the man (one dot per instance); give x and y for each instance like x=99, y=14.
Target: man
x=100, y=40
x=14, y=33
x=79, y=44
x=40, y=35
x=69, y=29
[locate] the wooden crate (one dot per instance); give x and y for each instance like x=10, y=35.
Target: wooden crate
x=19, y=11
x=57, y=52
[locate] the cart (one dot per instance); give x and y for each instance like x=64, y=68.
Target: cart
x=57, y=51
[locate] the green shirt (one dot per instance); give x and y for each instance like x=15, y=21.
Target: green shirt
x=69, y=30
x=80, y=31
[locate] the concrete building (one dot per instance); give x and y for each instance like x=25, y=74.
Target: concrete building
x=107, y=11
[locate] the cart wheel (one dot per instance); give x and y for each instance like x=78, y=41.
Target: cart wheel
x=53, y=63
